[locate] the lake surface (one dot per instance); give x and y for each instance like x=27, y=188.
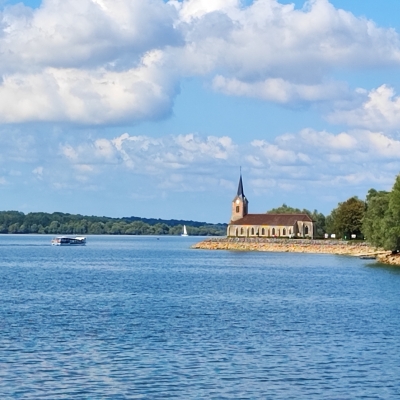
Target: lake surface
x=141, y=318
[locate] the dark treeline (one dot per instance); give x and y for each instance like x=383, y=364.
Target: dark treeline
x=60, y=224
x=317, y=217
x=377, y=219
x=344, y=221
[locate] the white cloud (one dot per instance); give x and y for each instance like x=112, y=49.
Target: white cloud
x=118, y=61
x=308, y=163
x=269, y=41
x=153, y=156
x=38, y=172
x=190, y=162
x=380, y=110
x=281, y=91
x=79, y=33
x=91, y=97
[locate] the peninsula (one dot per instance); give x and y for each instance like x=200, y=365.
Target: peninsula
x=293, y=232
x=279, y=245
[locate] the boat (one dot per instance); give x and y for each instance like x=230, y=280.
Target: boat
x=68, y=241
x=184, y=231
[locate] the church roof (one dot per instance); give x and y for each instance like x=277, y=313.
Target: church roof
x=272, y=219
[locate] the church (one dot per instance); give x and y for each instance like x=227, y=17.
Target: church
x=243, y=224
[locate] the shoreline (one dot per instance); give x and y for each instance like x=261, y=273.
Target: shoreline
x=334, y=247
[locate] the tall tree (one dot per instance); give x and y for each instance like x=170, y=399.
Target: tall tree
x=374, y=224
x=346, y=219
x=316, y=216
x=381, y=223
x=392, y=219
x=284, y=209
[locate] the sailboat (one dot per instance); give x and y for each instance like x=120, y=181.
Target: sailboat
x=184, y=231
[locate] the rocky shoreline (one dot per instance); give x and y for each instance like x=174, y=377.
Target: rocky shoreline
x=338, y=247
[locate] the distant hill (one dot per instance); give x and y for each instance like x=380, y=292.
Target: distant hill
x=15, y=222
x=173, y=222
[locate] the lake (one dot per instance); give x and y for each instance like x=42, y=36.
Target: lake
x=147, y=318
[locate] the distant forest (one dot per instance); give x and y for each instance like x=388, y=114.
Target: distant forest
x=15, y=222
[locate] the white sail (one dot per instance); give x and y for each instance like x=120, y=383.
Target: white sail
x=184, y=231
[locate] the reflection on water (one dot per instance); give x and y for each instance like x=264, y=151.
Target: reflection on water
x=136, y=317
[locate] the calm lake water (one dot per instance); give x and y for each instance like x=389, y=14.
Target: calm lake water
x=141, y=318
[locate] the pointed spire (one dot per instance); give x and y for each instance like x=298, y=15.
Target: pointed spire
x=240, y=191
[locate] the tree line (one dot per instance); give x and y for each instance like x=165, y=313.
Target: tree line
x=15, y=222
x=345, y=221
x=377, y=219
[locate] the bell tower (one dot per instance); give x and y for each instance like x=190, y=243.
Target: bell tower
x=239, y=203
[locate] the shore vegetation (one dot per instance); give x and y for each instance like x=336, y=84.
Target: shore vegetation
x=15, y=222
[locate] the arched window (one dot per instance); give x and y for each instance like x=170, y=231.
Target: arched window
x=273, y=231
x=263, y=232
x=236, y=231
x=290, y=231
x=284, y=232
x=306, y=230
x=252, y=231
x=237, y=209
x=241, y=231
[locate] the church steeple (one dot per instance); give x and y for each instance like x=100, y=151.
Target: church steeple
x=239, y=203
x=240, y=192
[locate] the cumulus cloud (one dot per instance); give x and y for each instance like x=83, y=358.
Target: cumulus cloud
x=91, y=97
x=268, y=40
x=281, y=91
x=314, y=163
x=83, y=33
x=147, y=155
x=380, y=110
x=185, y=161
x=118, y=61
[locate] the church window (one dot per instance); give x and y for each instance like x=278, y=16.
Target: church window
x=237, y=209
x=284, y=232
x=252, y=231
x=273, y=231
x=306, y=230
x=241, y=231
x=263, y=232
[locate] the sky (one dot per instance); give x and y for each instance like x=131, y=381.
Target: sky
x=149, y=108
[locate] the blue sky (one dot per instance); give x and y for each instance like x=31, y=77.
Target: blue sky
x=149, y=107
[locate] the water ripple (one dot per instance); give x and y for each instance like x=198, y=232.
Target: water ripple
x=128, y=318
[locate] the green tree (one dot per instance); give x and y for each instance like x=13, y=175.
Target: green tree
x=391, y=222
x=374, y=221
x=60, y=223
x=161, y=229
x=34, y=228
x=96, y=228
x=284, y=209
x=54, y=227
x=318, y=218
x=13, y=228
x=346, y=219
